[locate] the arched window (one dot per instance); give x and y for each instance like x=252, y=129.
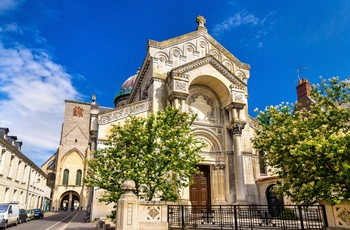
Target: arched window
x=262, y=163
x=78, y=178
x=65, y=177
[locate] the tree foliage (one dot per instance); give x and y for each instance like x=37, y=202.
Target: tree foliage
x=310, y=149
x=159, y=153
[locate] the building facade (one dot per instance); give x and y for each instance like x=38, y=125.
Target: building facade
x=196, y=74
x=67, y=167
x=20, y=179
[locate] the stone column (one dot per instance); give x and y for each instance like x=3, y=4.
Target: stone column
x=94, y=112
x=70, y=201
x=236, y=128
x=219, y=168
x=128, y=208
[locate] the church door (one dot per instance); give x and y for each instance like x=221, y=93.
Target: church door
x=275, y=204
x=200, y=189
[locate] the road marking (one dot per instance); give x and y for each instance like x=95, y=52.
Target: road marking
x=61, y=222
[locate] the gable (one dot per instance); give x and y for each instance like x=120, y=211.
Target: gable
x=198, y=46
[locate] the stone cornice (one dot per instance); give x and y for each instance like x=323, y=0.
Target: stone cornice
x=123, y=112
x=77, y=102
x=10, y=148
x=139, y=78
x=180, y=70
x=254, y=123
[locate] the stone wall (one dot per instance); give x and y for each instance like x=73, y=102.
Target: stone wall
x=338, y=216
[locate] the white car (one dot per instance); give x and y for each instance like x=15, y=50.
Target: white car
x=9, y=214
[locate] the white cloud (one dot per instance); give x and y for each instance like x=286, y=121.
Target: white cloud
x=238, y=19
x=253, y=29
x=6, y=5
x=32, y=93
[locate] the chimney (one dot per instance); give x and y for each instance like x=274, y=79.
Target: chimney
x=11, y=140
x=303, y=89
x=4, y=132
x=18, y=145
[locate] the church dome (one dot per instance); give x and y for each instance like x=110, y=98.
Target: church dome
x=121, y=97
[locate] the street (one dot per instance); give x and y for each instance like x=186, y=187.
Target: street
x=57, y=221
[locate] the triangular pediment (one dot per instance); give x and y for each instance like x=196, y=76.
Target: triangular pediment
x=185, y=52
x=209, y=60
x=195, y=35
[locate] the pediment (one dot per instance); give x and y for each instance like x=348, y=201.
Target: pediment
x=186, y=52
x=196, y=40
x=181, y=71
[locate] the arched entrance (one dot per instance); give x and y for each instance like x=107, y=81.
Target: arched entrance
x=200, y=189
x=70, y=201
x=275, y=204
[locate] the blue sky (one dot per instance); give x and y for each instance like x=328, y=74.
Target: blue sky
x=63, y=49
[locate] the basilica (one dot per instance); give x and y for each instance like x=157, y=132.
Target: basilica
x=196, y=74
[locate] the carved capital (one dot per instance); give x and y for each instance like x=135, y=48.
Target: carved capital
x=236, y=127
x=219, y=166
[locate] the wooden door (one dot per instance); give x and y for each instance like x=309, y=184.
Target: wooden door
x=200, y=189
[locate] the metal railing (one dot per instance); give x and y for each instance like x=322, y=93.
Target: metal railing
x=246, y=217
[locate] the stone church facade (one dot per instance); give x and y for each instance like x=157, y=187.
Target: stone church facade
x=192, y=72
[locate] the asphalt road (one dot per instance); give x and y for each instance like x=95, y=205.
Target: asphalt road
x=57, y=221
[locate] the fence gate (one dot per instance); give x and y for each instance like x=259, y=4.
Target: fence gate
x=246, y=217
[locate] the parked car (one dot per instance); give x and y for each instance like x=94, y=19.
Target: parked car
x=30, y=214
x=9, y=214
x=22, y=216
x=38, y=213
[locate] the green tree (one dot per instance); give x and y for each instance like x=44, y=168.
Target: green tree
x=310, y=149
x=159, y=153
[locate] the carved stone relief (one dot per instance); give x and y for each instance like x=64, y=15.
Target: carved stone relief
x=203, y=102
x=78, y=111
x=202, y=109
x=180, y=86
x=124, y=112
x=190, y=51
x=238, y=97
x=154, y=213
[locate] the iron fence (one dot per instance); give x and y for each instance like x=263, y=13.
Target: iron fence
x=246, y=217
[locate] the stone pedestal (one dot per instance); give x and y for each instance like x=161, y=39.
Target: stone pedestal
x=128, y=208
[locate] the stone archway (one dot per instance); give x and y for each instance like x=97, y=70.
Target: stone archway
x=69, y=201
x=200, y=190
x=275, y=204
